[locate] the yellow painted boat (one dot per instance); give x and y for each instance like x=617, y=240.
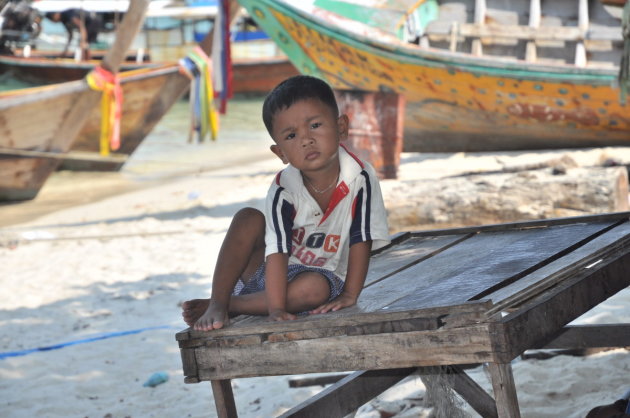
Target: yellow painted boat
x=476, y=74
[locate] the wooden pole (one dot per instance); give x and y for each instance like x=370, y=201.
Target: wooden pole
x=534, y=22
x=78, y=115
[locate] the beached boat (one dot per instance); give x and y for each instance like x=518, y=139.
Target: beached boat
x=39, y=127
x=168, y=34
x=251, y=75
x=148, y=95
x=476, y=74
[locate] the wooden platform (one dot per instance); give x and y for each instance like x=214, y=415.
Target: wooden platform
x=438, y=298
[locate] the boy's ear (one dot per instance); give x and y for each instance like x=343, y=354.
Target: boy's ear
x=344, y=124
x=276, y=150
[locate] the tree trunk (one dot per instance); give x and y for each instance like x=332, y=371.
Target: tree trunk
x=506, y=197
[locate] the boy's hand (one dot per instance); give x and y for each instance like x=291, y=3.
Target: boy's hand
x=280, y=315
x=342, y=301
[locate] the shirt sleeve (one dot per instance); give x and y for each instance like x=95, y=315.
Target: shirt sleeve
x=279, y=216
x=369, y=218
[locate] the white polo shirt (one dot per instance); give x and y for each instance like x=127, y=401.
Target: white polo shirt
x=297, y=226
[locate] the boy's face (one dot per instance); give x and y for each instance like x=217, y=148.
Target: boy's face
x=307, y=135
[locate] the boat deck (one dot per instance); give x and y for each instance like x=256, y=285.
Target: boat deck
x=439, y=298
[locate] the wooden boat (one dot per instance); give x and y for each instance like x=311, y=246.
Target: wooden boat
x=250, y=75
x=476, y=74
x=43, y=69
x=37, y=128
x=258, y=64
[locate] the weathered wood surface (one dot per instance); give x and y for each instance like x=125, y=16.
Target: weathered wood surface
x=483, y=262
x=348, y=394
x=504, y=390
x=548, y=275
x=591, y=336
x=546, y=314
x=224, y=398
x=363, y=352
x=567, y=266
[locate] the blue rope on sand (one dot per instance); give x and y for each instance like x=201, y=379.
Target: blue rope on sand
x=81, y=341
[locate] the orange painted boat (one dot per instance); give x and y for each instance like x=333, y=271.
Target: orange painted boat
x=477, y=75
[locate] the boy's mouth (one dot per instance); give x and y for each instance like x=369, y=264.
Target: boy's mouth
x=311, y=155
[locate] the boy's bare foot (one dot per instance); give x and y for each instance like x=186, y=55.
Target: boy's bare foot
x=193, y=309
x=215, y=317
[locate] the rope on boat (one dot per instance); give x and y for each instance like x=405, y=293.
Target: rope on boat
x=204, y=119
x=624, y=68
x=100, y=79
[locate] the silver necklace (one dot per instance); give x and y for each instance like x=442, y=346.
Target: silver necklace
x=316, y=190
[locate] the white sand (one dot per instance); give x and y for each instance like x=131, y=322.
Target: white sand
x=125, y=264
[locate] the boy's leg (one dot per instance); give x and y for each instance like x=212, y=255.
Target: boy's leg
x=307, y=291
x=242, y=252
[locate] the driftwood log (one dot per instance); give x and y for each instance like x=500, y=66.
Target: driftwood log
x=512, y=195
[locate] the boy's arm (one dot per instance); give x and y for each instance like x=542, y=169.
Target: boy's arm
x=358, y=261
x=276, y=286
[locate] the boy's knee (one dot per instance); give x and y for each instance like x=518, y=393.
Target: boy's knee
x=313, y=289
x=249, y=215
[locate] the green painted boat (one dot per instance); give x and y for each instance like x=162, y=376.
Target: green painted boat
x=477, y=75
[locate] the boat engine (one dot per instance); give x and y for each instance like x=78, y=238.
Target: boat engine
x=20, y=25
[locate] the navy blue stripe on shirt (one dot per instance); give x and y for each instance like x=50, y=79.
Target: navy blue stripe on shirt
x=288, y=212
x=276, y=221
x=368, y=205
x=356, y=234
x=282, y=215
x=360, y=227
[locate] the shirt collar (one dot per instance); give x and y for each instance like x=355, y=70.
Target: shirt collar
x=350, y=167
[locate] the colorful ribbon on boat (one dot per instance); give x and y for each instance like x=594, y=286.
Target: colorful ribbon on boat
x=204, y=119
x=624, y=67
x=221, y=55
x=100, y=79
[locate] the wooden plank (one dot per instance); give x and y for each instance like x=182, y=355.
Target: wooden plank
x=408, y=252
x=504, y=390
x=541, y=33
x=550, y=274
x=544, y=315
x=480, y=20
x=348, y=394
x=534, y=22
x=189, y=362
x=471, y=392
x=259, y=328
x=516, y=226
x=590, y=336
x=224, y=398
x=323, y=380
x=365, y=352
x=482, y=264
x=583, y=22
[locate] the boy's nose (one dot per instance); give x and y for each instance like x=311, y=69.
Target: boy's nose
x=307, y=139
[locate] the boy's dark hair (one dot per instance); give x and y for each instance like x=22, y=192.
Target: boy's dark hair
x=294, y=89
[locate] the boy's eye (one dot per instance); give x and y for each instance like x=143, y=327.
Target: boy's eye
x=316, y=125
x=290, y=136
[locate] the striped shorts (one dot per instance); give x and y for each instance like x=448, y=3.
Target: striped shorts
x=257, y=281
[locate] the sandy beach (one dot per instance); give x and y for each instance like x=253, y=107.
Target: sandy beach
x=91, y=293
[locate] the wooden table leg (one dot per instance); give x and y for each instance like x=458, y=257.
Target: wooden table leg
x=224, y=398
x=504, y=390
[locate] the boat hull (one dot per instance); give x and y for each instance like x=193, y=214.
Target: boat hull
x=250, y=76
x=457, y=102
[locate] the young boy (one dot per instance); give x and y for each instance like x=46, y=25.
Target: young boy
x=310, y=251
